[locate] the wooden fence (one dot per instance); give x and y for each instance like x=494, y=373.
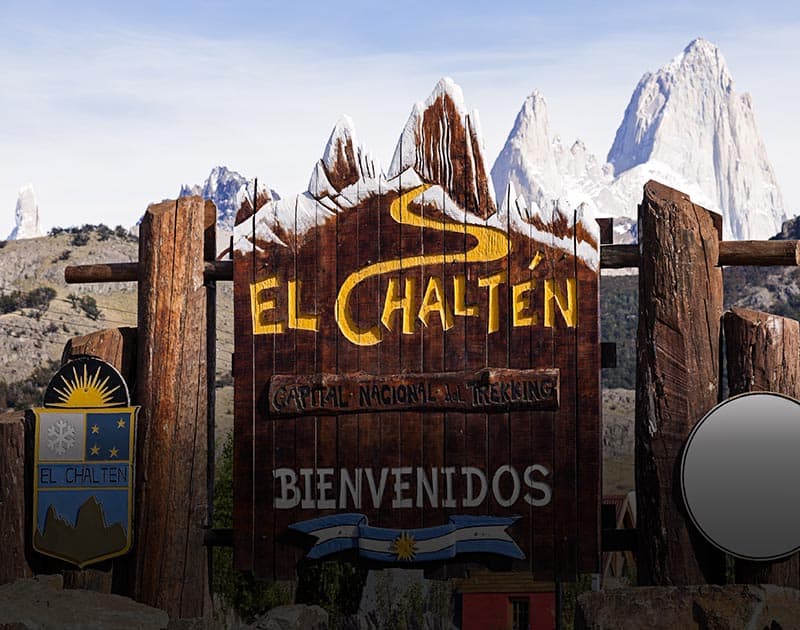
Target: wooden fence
x=680, y=310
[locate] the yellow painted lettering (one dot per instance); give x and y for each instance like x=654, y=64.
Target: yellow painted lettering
x=492, y=244
x=298, y=320
x=261, y=304
x=493, y=282
x=434, y=301
x=521, y=303
x=568, y=306
x=404, y=303
x=460, y=306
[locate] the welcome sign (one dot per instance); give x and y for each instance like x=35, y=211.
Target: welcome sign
x=416, y=369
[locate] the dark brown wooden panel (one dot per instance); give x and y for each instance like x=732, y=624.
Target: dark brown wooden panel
x=391, y=292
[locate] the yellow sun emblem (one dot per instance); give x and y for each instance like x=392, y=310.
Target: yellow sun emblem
x=404, y=546
x=84, y=390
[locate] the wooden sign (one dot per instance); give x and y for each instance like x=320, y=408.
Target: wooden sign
x=83, y=465
x=416, y=370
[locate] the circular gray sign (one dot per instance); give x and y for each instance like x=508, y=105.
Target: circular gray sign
x=739, y=476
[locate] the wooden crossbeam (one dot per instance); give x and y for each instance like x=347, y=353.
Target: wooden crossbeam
x=731, y=253
x=129, y=272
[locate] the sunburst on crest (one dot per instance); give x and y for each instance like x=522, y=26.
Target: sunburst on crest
x=85, y=389
x=404, y=547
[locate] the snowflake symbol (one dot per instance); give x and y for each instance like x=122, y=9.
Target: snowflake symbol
x=63, y=437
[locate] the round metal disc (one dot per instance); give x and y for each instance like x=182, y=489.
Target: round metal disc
x=739, y=476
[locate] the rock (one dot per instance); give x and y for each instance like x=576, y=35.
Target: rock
x=26, y=215
x=297, y=617
x=709, y=607
x=41, y=602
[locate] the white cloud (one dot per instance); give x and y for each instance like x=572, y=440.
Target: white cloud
x=105, y=123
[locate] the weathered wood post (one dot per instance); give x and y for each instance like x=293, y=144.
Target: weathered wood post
x=171, y=564
x=13, y=498
x=763, y=354
x=677, y=377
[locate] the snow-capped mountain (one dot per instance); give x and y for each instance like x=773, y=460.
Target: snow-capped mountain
x=689, y=118
x=685, y=126
x=26, y=215
x=541, y=168
x=227, y=189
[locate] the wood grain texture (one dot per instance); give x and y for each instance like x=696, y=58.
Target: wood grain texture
x=171, y=565
x=677, y=378
x=763, y=354
x=15, y=532
x=429, y=323
x=733, y=253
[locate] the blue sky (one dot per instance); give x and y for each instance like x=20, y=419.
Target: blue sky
x=106, y=107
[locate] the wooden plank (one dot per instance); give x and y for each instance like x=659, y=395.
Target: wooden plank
x=588, y=409
x=565, y=491
x=15, y=533
x=244, y=407
x=733, y=253
x=284, y=263
x=520, y=423
x=677, y=376
x=763, y=354
x=131, y=272
x=494, y=390
x=171, y=562
x=606, y=230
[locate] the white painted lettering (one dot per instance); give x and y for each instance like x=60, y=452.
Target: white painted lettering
x=470, y=472
x=542, y=487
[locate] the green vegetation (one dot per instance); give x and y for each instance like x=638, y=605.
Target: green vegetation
x=29, y=392
x=80, y=235
x=87, y=304
x=79, y=239
x=37, y=299
x=619, y=304
x=336, y=586
x=237, y=590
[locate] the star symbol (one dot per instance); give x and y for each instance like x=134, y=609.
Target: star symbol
x=95, y=450
x=120, y=423
x=113, y=451
x=95, y=428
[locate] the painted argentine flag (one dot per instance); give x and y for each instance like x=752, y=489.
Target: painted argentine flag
x=463, y=534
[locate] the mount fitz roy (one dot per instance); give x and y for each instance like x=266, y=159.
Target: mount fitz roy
x=26, y=215
x=685, y=126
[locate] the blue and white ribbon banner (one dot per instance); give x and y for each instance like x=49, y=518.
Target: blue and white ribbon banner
x=463, y=534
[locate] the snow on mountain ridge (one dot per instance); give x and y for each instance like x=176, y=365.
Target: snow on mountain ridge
x=684, y=126
x=26, y=215
x=227, y=189
x=687, y=115
x=536, y=162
